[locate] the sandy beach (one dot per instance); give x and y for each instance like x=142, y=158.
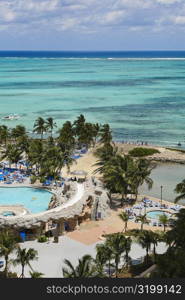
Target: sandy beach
x=87, y=161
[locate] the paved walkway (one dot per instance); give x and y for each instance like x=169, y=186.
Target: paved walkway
x=51, y=255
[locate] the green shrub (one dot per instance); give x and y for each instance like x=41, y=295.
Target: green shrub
x=140, y=152
x=42, y=179
x=42, y=239
x=55, y=239
x=10, y=275
x=33, y=179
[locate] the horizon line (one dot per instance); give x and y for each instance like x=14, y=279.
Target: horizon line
x=39, y=50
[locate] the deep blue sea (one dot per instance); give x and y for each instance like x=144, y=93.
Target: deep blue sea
x=141, y=94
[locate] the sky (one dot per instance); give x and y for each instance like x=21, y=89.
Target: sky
x=92, y=25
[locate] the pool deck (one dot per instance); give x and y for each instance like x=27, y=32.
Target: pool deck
x=90, y=232
x=26, y=183
x=18, y=210
x=51, y=255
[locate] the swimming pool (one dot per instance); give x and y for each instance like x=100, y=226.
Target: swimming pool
x=155, y=214
x=34, y=200
x=8, y=213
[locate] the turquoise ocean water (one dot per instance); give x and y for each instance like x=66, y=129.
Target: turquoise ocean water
x=140, y=94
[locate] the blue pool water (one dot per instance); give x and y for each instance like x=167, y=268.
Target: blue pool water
x=35, y=200
x=8, y=214
x=156, y=214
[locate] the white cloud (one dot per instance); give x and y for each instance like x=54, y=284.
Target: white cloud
x=179, y=20
x=112, y=17
x=40, y=6
x=66, y=24
x=6, y=14
x=167, y=2
x=75, y=7
x=90, y=15
x=134, y=4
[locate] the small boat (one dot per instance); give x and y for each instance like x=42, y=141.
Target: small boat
x=11, y=117
x=179, y=144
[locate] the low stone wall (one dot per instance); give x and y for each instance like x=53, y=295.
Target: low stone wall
x=18, y=210
x=147, y=272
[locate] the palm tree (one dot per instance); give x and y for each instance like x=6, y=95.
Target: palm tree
x=118, y=171
x=40, y=126
x=176, y=236
x=87, y=135
x=163, y=219
x=4, y=134
x=23, y=143
x=128, y=243
x=8, y=244
x=155, y=238
x=180, y=189
x=79, y=125
x=53, y=160
x=142, y=169
x=24, y=257
x=18, y=131
x=145, y=240
x=95, y=132
x=171, y=264
x=35, y=153
x=50, y=125
x=143, y=219
x=84, y=269
x=105, y=134
x=104, y=255
x=36, y=274
x=105, y=154
x=124, y=217
x=13, y=154
x=116, y=243
x=66, y=139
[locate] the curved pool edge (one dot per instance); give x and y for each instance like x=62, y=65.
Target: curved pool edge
x=27, y=210
x=67, y=210
x=162, y=211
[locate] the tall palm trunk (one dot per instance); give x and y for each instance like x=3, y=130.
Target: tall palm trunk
x=122, y=199
x=6, y=266
x=110, y=199
x=147, y=254
x=22, y=273
x=136, y=195
x=109, y=269
x=125, y=226
x=127, y=258
x=5, y=143
x=154, y=252
x=116, y=265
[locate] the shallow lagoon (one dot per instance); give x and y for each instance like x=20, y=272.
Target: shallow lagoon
x=168, y=176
